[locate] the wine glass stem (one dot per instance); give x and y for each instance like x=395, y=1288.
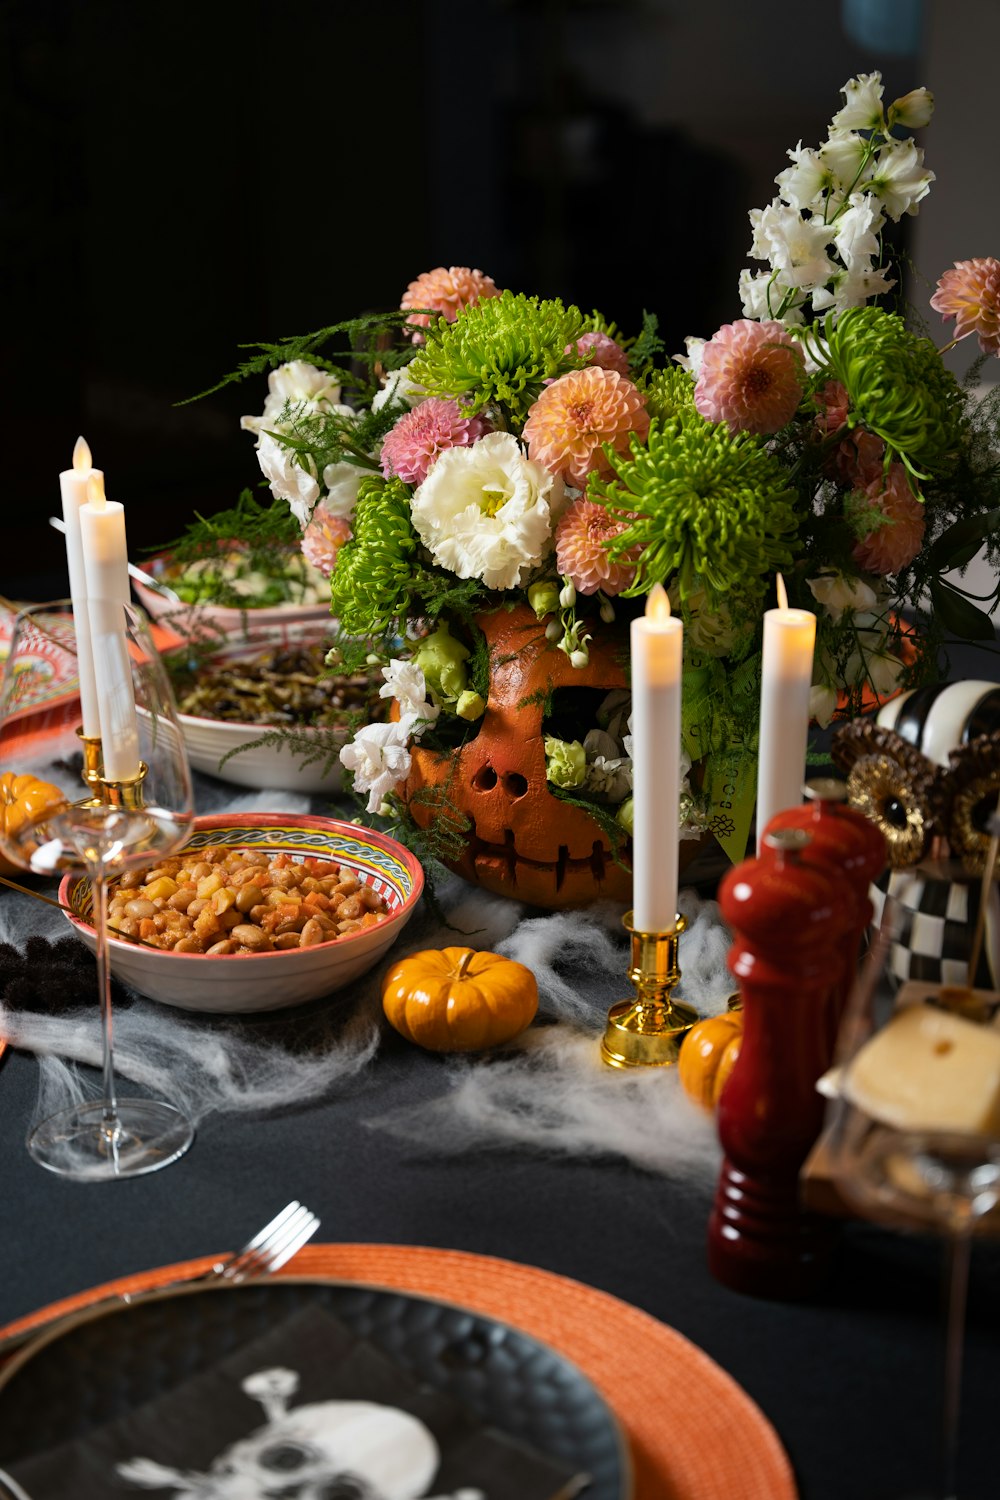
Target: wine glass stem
x=99, y=886
x=959, y=1246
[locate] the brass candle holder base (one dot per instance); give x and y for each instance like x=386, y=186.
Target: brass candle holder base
x=93, y=767
x=647, y=1032
x=125, y=794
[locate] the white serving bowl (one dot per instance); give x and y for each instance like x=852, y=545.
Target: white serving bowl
x=267, y=981
x=273, y=766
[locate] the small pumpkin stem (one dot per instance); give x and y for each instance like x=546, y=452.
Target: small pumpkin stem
x=467, y=956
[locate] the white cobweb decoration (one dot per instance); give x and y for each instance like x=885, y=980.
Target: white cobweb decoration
x=548, y=1092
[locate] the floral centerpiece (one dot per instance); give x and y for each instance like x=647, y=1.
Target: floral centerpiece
x=484, y=455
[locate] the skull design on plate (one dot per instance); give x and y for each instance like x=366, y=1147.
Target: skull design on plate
x=523, y=841
x=327, y=1450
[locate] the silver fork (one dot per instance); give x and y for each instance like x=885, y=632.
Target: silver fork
x=269, y=1249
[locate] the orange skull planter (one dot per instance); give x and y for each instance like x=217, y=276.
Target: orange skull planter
x=523, y=841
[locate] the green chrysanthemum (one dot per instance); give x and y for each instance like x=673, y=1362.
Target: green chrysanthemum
x=371, y=583
x=669, y=394
x=897, y=385
x=713, y=510
x=499, y=352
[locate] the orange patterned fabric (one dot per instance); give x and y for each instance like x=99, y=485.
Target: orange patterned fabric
x=694, y=1433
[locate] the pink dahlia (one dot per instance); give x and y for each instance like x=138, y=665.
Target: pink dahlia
x=581, y=550
x=579, y=412
x=603, y=351
x=860, y=460
x=446, y=291
x=834, y=403
x=897, y=539
x=423, y=434
x=323, y=539
x=971, y=295
x=751, y=377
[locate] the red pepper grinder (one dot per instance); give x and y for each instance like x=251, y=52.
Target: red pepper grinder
x=787, y=915
x=845, y=838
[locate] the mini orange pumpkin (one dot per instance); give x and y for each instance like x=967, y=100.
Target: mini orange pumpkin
x=707, y=1057
x=457, y=1000
x=22, y=798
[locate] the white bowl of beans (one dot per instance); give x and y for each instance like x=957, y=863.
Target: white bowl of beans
x=258, y=911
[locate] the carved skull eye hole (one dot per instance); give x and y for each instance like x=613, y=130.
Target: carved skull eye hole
x=285, y=1458
x=571, y=711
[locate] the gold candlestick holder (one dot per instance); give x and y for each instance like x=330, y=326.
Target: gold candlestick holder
x=125, y=794
x=647, y=1032
x=93, y=766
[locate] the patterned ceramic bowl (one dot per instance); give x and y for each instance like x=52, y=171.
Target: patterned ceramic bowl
x=268, y=981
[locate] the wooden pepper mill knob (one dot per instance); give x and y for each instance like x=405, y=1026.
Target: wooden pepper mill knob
x=788, y=917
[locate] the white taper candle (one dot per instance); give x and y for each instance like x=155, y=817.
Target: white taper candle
x=786, y=677
x=73, y=488
x=102, y=526
x=657, y=650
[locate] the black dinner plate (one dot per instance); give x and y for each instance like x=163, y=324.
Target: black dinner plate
x=105, y=1366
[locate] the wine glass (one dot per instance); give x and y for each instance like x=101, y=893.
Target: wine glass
x=101, y=825
x=914, y=1129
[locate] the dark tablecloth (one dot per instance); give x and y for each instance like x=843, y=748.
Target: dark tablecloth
x=851, y=1381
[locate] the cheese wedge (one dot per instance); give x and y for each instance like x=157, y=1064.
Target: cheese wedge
x=929, y=1070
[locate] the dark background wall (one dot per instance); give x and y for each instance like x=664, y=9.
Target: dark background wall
x=176, y=180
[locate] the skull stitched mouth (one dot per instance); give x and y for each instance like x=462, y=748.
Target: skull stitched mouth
x=505, y=857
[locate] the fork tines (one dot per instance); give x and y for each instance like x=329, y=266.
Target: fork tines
x=275, y=1244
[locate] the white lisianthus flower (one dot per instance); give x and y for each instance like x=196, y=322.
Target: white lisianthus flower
x=342, y=481
x=288, y=479
x=857, y=228
x=379, y=759
x=399, y=387
x=405, y=682
x=835, y=592
x=487, y=511
x=804, y=183
x=900, y=179
x=862, y=109
x=913, y=110
x=611, y=780
x=295, y=385
x=795, y=246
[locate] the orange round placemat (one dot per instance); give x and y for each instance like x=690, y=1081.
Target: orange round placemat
x=694, y=1434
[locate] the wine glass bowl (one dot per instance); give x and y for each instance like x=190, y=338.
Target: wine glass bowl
x=102, y=826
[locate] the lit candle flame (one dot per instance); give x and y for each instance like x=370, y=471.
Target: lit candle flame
x=782, y=591
x=95, y=492
x=658, y=604
x=81, y=456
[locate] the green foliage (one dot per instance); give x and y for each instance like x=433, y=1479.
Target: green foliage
x=646, y=347
x=603, y=815
x=369, y=346
x=259, y=525
x=499, y=352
